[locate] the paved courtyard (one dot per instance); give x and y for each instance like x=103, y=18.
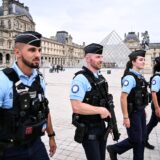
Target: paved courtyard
x=58, y=87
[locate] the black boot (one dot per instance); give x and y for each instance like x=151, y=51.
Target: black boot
x=112, y=153
x=149, y=146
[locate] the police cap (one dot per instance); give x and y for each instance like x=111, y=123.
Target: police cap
x=93, y=48
x=29, y=37
x=157, y=60
x=136, y=53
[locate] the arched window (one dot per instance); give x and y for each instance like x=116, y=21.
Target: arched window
x=1, y=42
x=42, y=60
x=1, y=58
x=7, y=58
x=52, y=60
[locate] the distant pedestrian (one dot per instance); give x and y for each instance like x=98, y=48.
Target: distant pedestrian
x=57, y=68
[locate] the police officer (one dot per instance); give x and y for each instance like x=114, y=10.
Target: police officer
x=24, y=112
x=88, y=111
x=155, y=90
x=134, y=98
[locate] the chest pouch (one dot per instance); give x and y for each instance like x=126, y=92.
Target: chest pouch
x=139, y=98
x=24, y=99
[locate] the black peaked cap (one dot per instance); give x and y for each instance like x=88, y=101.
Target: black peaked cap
x=93, y=48
x=136, y=53
x=29, y=37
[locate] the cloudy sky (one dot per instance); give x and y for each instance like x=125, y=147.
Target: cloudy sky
x=92, y=20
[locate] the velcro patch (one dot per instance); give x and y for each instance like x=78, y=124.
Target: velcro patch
x=153, y=82
x=126, y=83
x=75, y=88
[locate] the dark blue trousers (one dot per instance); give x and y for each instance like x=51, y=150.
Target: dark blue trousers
x=95, y=148
x=136, y=136
x=152, y=122
x=34, y=151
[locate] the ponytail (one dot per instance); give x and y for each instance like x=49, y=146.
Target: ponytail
x=128, y=66
x=156, y=68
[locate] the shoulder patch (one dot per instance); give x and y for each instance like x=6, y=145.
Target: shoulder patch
x=126, y=82
x=75, y=88
x=153, y=82
x=10, y=95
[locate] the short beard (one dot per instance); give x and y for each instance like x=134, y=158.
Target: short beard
x=96, y=66
x=28, y=64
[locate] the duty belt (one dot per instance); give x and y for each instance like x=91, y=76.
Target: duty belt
x=95, y=125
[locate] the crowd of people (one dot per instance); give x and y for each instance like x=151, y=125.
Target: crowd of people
x=25, y=115
x=56, y=68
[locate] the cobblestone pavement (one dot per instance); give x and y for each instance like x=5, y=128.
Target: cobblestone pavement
x=58, y=87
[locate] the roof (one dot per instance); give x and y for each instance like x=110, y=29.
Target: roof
x=154, y=45
x=17, y=8
x=131, y=36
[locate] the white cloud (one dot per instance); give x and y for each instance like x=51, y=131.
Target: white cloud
x=92, y=20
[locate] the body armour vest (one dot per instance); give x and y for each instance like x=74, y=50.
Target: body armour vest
x=158, y=93
x=138, y=98
x=27, y=119
x=95, y=97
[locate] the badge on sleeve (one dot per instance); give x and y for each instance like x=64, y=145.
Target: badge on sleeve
x=153, y=82
x=126, y=82
x=10, y=95
x=75, y=88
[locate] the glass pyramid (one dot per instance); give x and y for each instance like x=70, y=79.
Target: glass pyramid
x=115, y=51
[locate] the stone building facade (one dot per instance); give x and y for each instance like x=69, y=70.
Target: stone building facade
x=132, y=40
x=15, y=18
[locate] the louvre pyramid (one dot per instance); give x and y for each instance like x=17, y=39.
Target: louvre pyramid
x=115, y=50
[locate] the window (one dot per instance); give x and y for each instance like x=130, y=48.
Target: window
x=1, y=58
x=1, y=42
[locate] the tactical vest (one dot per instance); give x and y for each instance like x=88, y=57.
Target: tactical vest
x=158, y=93
x=139, y=95
x=95, y=97
x=27, y=119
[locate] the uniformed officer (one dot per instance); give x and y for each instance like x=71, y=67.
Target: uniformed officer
x=134, y=98
x=24, y=112
x=86, y=96
x=155, y=90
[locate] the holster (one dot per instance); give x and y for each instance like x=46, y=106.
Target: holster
x=80, y=133
x=130, y=108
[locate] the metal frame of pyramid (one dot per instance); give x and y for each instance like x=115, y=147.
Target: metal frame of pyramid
x=115, y=51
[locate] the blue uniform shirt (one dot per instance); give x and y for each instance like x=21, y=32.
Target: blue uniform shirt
x=129, y=82
x=155, y=84
x=6, y=89
x=79, y=86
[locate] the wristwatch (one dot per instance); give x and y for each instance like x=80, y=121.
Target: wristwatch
x=52, y=134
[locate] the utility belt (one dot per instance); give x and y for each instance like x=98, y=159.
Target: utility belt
x=28, y=132
x=132, y=108
x=82, y=131
x=7, y=144
x=4, y=145
x=100, y=124
x=25, y=135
